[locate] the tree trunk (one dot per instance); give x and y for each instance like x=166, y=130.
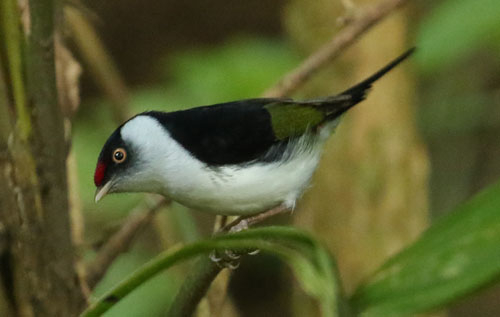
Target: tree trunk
x=369, y=195
x=41, y=277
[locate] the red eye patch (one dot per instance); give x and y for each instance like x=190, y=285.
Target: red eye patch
x=100, y=170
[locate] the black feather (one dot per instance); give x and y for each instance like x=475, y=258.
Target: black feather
x=241, y=131
x=228, y=133
x=358, y=92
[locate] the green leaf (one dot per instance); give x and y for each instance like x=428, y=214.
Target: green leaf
x=456, y=256
x=311, y=263
x=150, y=299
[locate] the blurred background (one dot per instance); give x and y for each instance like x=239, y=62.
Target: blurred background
x=426, y=140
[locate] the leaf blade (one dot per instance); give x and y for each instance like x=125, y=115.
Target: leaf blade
x=308, y=259
x=459, y=254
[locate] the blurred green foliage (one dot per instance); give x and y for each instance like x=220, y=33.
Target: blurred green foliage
x=457, y=40
x=456, y=28
x=458, y=101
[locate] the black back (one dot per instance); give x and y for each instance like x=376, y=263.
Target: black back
x=241, y=131
x=226, y=133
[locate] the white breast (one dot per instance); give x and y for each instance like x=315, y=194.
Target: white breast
x=229, y=190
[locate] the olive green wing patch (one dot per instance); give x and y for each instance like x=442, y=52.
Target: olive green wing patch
x=291, y=119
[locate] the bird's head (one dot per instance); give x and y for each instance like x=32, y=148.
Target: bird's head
x=128, y=159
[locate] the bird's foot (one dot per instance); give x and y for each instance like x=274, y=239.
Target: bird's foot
x=253, y=252
x=228, y=258
x=240, y=226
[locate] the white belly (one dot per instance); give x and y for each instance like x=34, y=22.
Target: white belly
x=242, y=190
x=247, y=190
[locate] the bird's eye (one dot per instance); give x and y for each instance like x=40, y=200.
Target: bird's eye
x=119, y=155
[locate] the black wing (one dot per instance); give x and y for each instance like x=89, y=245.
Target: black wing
x=241, y=131
x=226, y=133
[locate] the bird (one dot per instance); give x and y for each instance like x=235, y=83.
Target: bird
x=236, y=158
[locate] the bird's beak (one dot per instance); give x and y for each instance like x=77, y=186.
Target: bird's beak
x=102, y=191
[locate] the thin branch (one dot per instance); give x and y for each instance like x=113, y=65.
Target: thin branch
x=108, y=76
x=121, y=241
x=77, y=225
x=106, y=73
x=99, y=61
x=361, y=22
x=244, y=222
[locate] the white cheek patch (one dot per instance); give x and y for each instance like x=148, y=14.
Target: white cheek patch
x=143, y=133
x=161, y=164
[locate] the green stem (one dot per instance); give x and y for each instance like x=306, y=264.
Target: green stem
x=13, y=38
x=266, y=239
x=160, y=263
x=100, y=64
x=5, y=116
x=194, y=288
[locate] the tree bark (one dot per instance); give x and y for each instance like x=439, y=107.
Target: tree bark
x=34, y=197
x=369, y=195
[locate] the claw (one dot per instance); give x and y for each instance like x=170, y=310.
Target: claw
x=233, y=265
x=232, y=255
x=220, y=265
x=227, y=261
x=254, y=252
x=215, y=257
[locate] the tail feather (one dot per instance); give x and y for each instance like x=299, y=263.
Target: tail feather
x=352, y=96
x=359, y=91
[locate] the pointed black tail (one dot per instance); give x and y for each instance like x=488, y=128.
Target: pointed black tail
x=336, y=105
x=358, y=92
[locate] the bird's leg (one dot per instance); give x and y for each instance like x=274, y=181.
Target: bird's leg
x=230, y=258
x=244, y=222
